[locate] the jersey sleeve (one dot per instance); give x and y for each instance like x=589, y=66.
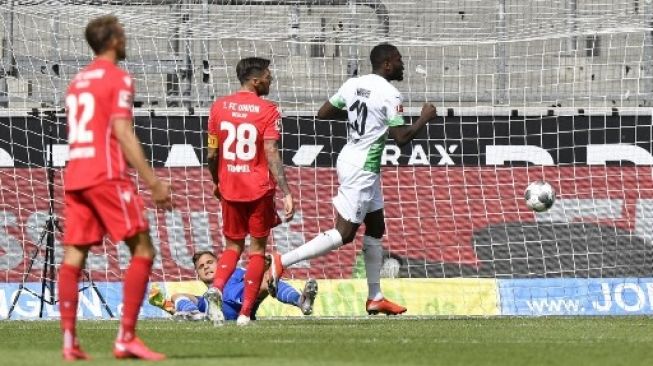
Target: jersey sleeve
x=338, y=99
x=272, y=124
x=394, y=110
x=213, y=128
x=122, y=104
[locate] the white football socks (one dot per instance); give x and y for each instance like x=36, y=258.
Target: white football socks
x=373, y=253
x=320, y=245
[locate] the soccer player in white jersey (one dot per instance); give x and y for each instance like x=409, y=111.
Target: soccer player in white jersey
x=373, y=108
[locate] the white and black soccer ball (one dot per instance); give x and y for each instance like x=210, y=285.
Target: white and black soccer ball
x=540, y=196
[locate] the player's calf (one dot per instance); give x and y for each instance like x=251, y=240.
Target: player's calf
x=276, y=270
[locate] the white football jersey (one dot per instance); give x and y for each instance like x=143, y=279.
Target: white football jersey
x=373, y=105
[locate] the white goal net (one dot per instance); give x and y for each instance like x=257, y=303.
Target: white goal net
x=526, y=90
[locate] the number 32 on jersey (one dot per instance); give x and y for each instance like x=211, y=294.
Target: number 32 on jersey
x=81, y=109
x=77, y=131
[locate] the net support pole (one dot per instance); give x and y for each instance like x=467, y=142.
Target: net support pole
x=500, y=55
x=187, y=66
x=571, y=15
x=294, y=30
x=179, y=86
x=646, y=87
x=54, y=69
x=172, y=79
x=8, y=60
x=205, y=91
x=352, y=53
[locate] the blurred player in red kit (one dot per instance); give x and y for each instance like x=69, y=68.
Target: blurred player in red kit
x=100, y=197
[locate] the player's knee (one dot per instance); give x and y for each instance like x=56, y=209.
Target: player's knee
x=375, y=232
x=140, y=245
x=145, y=251
x=257, y=245
x=348, y=237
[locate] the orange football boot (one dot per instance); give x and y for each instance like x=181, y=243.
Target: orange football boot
x=383, y=306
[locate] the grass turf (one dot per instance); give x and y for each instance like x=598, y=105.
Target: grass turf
x=377, y=341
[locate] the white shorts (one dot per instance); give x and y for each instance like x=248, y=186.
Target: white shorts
x=359, y=193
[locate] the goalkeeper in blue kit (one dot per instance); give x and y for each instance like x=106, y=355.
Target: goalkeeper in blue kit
x=195, y=307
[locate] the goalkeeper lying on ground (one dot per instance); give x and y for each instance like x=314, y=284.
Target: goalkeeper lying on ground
x=194, y=307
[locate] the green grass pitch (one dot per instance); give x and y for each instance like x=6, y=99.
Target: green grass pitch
x=376, y=341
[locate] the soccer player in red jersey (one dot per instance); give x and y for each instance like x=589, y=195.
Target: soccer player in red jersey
x=245, y=164
x=100, y=197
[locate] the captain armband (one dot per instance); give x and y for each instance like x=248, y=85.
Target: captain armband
x=213, y=142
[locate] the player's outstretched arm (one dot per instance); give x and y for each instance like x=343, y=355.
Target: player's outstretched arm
x=329, y=111
x=276, y=168
x=123, y=130
x=404, y=134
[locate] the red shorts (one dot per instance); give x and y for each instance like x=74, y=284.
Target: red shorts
x=256, y=218
x=111, y=207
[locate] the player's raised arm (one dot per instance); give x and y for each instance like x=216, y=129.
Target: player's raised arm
x=131, y=147
x=275, y=164
x=403, y=134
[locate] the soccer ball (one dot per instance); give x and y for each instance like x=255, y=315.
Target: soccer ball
x=540, y=196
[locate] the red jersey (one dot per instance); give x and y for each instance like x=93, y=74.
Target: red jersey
x=238, y=124
x=95, y=97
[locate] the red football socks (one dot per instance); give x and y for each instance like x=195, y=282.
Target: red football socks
x=225, y=268
x=253, y=279
x=134, y=286
x=68, y=298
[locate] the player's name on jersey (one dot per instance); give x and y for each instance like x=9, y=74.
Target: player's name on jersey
x=83, y=152
x=238, y=168
x=363, y=92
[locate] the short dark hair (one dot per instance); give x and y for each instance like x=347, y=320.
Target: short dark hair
x=198, y=255
x=100, y=31
x=380, y=54
x=251, y=66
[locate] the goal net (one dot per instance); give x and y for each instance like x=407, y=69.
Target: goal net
x=554, y=90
